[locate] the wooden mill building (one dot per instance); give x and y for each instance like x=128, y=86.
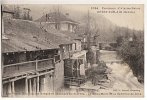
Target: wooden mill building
x=37, y=58
x=31, y=59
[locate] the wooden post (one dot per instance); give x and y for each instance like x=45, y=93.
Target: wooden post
x=37, y=84
x=26, y=86
x=30, y=86
x=52, y=82
x=2, y=26
x=77, y=69
x=9, y=89
x=43, y=86
x=13, y=88
x=36, y=67
x=34, y=85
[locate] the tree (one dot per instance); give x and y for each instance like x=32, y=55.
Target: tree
x=132, y=52
x=97, y=73
x=91, y=34
x=17, y=12
x=26, y=14
x=119, y=40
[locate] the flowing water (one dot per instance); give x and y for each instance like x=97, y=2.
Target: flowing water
x=121, y=76
x=121, y=82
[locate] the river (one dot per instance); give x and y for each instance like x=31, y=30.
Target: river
x=121, y=75
x=122, y=82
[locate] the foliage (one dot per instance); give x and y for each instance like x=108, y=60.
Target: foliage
x=17, y=12
x=132, y=52
x=97, y=73
x=119, y=40
x=90, y=56
x=21, y=14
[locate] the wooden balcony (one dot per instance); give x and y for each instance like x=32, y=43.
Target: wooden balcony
x=17, y=69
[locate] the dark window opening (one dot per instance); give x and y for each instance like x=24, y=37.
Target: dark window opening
x=11, y=58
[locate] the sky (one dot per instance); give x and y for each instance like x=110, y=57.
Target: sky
x=134, y=18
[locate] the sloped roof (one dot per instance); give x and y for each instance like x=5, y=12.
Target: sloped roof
x=66, y=35
x=72, y=35
x=19, y=43
x=27, y=36
x=55, y=36
x=55, y=17
x=8, y=46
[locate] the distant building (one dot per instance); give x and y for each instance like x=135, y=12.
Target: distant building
x=58, y=21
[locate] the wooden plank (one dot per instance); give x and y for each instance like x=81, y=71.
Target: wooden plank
x=40, y=74
x=30, y=86
x=38, y=84
x=34, y=85
x=15, y=79
x=13, y=88
x=26, y=86
x=26, y=62
x=9, y=89
x=24, y=76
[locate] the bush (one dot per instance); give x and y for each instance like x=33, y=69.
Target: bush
x=133, y=54
x=97, y=73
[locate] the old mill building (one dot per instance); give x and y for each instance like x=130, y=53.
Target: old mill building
x=37, y=58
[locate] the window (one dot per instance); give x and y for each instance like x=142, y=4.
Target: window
x=75, y=47
x=10, y=58
x=70, y=47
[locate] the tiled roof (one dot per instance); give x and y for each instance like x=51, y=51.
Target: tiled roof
x=72, y=35
x=27, y=36
x=66, y=35
x=55, y=17
x=20, y=43
x=8, y=46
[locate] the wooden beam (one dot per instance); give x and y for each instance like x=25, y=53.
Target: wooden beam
x=24, y=76
x=36, y=67
x=26, y=86
x=13, y=88
x=30, y=86
x=40, y=74
x=15, y=79
x=38, y=85
x=9, y=89
x=77, y=68
x=27, y=62
x=34, y=85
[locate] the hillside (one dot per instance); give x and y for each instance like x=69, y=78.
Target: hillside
x=106, y=29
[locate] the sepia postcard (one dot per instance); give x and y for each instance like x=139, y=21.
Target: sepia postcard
x=72, y=50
